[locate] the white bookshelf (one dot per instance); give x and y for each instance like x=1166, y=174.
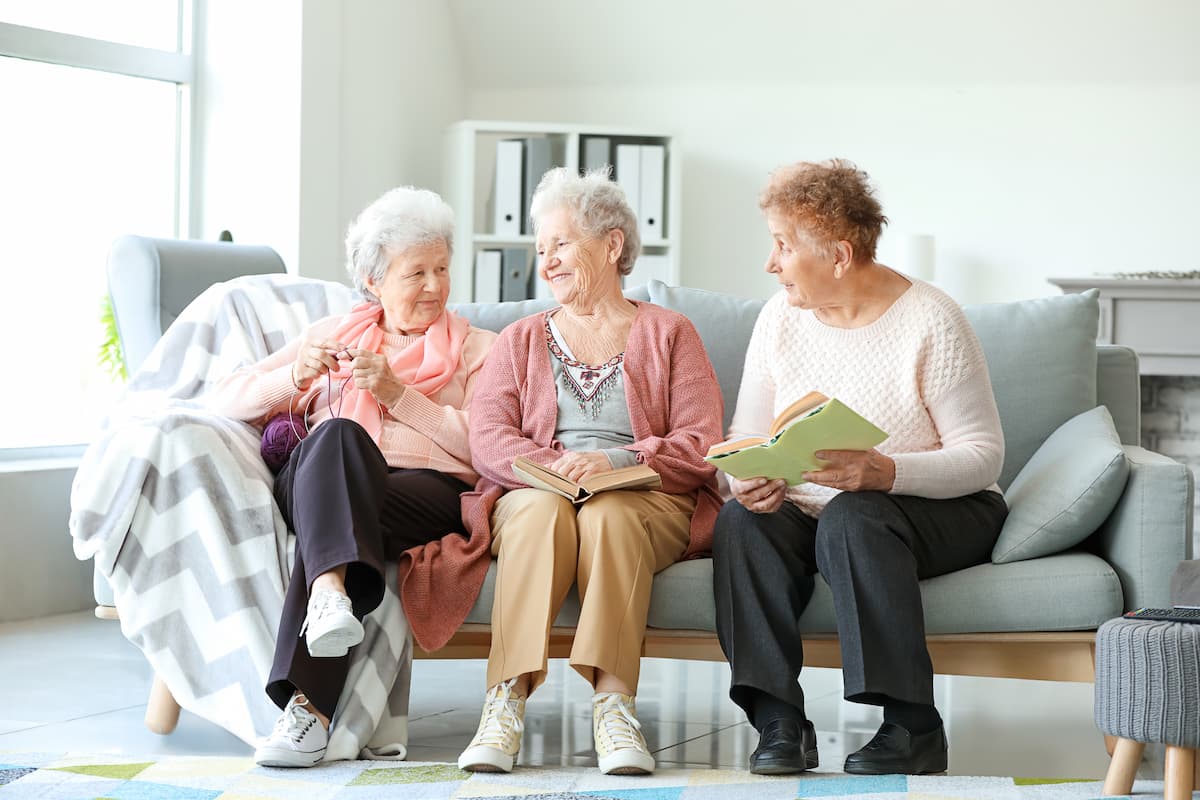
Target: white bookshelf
x=470, y=174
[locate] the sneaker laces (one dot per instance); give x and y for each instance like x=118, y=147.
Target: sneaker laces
x=322, y=603
x=295, y=721
x=502, y=718
x=619, y=723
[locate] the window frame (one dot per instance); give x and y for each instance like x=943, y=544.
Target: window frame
x=177, y=67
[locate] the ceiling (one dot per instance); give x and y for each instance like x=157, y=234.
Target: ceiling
x=513, y=44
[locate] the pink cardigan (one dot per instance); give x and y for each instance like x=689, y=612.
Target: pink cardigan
x=675, y=408
x=674, y=401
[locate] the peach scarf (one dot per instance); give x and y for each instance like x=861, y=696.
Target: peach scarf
x=426, y=365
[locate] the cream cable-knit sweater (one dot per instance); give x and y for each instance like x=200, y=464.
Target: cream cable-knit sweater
x=918, y=372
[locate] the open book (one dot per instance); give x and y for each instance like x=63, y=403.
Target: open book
x=814, y=422
x=639, y=476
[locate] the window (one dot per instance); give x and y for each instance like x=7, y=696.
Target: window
x=92, y=147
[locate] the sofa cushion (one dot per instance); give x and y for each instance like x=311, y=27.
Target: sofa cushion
x=1066, y=490
x=724, y=323
x=1063, y=592
x=1041, y=356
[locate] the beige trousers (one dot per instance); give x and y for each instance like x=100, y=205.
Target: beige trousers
x=611, y=546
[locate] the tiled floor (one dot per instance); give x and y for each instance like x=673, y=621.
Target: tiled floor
x=72, y=682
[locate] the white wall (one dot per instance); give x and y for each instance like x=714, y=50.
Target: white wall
x=1031, y=139
x=1017, y=183
x=248, y=105
x=314, y=109
x=381, y=82
x=402, y=87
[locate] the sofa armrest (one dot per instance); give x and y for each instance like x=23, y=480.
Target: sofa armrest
x=1150, y=530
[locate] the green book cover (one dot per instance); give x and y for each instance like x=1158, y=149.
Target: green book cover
x=789, y=454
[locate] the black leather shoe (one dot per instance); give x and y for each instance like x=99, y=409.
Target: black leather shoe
x=785, y=746
x=895, y=751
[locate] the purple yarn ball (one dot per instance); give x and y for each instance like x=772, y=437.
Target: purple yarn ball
x=280, y=437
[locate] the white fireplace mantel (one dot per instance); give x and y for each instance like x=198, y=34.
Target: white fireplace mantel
x=1158, y=317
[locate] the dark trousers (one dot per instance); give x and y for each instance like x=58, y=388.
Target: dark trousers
x=872, y=548
x=346, y=506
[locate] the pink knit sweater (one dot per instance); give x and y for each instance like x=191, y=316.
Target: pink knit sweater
x=418, y=432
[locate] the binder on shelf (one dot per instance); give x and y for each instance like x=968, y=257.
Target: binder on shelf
x=487, y=276
x=515, y=265
x=507, y=197
x=650, y=199
x=647, y=268
x=597, y=153
x=537, y=163
x=629, y=170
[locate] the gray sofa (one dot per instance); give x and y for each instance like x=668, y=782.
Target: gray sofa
x=1030, y=618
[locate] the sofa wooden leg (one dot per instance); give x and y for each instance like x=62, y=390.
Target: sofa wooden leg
x=1121, y=771
x=162, y=712
x=1179, y=773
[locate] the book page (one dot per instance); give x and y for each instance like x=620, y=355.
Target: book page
x=733, y=445
x=808, y=404
x=541, y=477
x=637, y=476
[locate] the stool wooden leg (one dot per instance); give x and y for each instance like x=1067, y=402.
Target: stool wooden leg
x=1196, y=776
x=162, y=712
x=1121, y=771
x=1179, y=774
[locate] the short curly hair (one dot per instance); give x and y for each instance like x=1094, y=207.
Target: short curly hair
x=831, y=201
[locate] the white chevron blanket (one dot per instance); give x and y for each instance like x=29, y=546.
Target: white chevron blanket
x=175, y=505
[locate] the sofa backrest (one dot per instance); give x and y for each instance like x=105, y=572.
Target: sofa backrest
x=151, y=281
x=1044, y=364
x=1041, y=354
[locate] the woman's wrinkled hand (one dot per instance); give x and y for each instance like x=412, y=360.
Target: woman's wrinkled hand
x=315, y=358
x=371, y=371
x=854, y=470
x=577, y=466
x=760, y=495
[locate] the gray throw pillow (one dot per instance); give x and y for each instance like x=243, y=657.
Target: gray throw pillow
x=1041, y=357
x=1065, y=491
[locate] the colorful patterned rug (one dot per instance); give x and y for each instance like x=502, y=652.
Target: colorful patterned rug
x=58, y=776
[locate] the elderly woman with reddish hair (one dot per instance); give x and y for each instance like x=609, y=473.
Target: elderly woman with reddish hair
x=873, y=523
x=597, y=383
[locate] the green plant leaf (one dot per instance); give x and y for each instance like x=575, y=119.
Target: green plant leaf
x=110, y=356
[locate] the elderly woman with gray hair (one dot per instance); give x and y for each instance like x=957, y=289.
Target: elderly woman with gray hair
x=384, y=391
x=597, y=383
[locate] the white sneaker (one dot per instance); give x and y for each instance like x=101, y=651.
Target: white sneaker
x=620, y=747
x=330, y=627
x=299, y=739
x=498, y=740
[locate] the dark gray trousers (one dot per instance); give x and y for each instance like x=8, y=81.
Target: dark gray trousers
x=346, y=506
x=872, y=548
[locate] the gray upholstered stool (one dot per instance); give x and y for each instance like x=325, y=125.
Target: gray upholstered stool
x=1148, y=690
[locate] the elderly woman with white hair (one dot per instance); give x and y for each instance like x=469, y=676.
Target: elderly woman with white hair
x=384, y=391
x=597, y=383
